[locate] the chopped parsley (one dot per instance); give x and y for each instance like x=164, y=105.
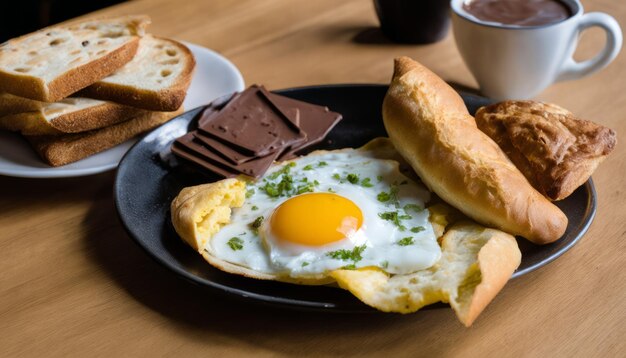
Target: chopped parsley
x=308, y=167
x=336, y=176
x=415, y=207
x=406, y=241
x=307, y=188
x=384, y=264
x=391, y=196
x=235, y=243
x=282, y=171
x=383, y=196
x=249, y=193
x=349, y=267
x=256, y=224
x=366, y=183
x=330, y=190
x=379, y=178
x=352, y=178
x=322, y=164
x=395, y=218
x=254, y=207
x=417, y=229
x=348, y=255
x=304, y=264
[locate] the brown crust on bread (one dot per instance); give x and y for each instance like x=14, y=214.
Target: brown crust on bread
x=96, y=117
x=166, y=99
x=432, y=129
x=556, y=151
x=64, y=149
x=34, y=123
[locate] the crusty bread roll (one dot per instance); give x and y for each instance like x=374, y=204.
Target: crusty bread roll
x=432, y=129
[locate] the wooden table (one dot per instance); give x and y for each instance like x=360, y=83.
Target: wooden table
x=72, y=282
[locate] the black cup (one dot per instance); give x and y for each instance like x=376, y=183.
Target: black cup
x=414, y=21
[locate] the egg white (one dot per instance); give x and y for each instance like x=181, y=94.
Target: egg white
x=259, y=250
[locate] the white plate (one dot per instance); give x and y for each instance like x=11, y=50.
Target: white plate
x=215, y=76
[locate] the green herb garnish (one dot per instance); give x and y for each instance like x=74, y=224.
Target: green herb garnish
x=336, y=176
x=249, y=193
x=415, y=207
x=384, y=264
x=254, y=207
x=349, y=267
x=308, y=167
x=417, y=229
x=348, y=255
x=235, y=243
x=406, y=241
x=256, y=224
x=352, y=178
x=383, y=197
x=366, y=183
x=322, y=164
x=304, y=264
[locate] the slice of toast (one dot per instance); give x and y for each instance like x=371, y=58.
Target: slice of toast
x=156, y=79
x=69, y=115
x=65, y=149
x=52, y=63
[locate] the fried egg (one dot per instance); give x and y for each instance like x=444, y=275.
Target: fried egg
x=330, y=210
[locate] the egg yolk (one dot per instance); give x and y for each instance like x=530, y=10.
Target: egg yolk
x=316, y=219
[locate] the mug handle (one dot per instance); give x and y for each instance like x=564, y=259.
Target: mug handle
x=572, y=70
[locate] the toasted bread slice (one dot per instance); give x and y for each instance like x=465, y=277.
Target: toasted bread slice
x=64, y=149
x=156, y=79
x=52, y=63
x=69, y=115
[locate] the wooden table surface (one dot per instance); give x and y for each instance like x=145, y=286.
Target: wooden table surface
x=72, y=283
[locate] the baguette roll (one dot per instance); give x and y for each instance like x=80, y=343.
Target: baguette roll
x=432, y=129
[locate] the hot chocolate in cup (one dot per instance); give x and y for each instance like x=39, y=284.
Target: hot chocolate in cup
x=517, y=48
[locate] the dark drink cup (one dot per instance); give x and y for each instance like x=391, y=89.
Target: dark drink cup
x=414, y=21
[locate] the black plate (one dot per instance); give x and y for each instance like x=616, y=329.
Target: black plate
x=144, y=188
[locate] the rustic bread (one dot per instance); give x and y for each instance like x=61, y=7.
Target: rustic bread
x=69, y=115
x=63, y=149
x=432, y=129
x=156, y=79
x=52, y=63
x=556, y=151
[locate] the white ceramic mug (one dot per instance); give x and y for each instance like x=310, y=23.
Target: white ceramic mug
x=513, y=62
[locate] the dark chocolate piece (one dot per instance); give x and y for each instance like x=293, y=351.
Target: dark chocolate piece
x=253, y=168
x=251, y=124
x=181, y=152
x=315, y=120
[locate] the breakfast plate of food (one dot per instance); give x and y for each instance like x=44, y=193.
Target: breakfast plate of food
x=74, y=120
x=357, y=198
